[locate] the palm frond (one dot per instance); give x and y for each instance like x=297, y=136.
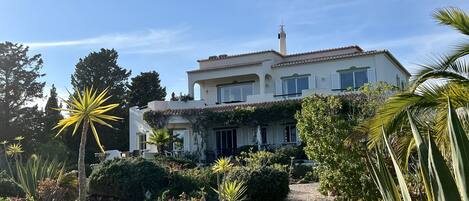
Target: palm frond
x=453, y=17
x=87, y=107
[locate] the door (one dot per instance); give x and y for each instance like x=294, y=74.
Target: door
x=226, y=142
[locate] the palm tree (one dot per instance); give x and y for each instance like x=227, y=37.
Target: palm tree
x=159, y=138
x=86, y=108
x=426, y=98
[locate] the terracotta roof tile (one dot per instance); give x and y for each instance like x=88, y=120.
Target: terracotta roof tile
x=342, y=56
x=324, y=50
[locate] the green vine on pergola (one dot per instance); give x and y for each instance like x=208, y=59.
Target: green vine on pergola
x=204, y=119
x=242, y=116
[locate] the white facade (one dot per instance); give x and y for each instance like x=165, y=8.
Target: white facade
x=266, y=77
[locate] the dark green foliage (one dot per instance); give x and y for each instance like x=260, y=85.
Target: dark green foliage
x=47, y=142
x=264, y=183
x=8, y=188
x=52, y=116
x=20, y=84
x=101, y=70
x=127, y=179
x=191, y=181
x=325, y=123
x=300, y=171
x=144, y=88
x=174, y=163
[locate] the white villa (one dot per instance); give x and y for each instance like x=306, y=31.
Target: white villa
x=262, y=78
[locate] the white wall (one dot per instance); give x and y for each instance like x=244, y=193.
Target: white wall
x=136, y=125
x=323, y=76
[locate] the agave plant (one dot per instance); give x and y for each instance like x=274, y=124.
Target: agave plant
x=439, y=182
x=28, y=175
x=86, y=108
x=232, y=191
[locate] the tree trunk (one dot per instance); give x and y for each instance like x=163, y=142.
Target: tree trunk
x=81, y=163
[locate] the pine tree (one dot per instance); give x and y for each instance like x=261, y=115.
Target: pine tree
x=52, y=115
x=146, y=87
x=19, y=86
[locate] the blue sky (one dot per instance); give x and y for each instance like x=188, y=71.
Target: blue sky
x=169, y=36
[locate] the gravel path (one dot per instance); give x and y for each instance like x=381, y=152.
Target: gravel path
x=306, y=192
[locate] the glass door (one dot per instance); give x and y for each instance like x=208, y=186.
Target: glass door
x=226, y=142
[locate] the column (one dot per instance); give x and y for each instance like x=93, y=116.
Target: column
x=191, y=88
x=259, y=137
x=261, y=84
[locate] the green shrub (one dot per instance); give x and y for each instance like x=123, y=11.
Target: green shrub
x=174, y=163
x=256, y=159
x=192, y=181
x=300, y=171
x=264, y=183
x=325, y=124
x=8, y=188
x=127, y=179
x=283, y=155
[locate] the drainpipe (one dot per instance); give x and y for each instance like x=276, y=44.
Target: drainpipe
x=259, y=137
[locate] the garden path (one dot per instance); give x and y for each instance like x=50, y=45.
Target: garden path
x=306, y=192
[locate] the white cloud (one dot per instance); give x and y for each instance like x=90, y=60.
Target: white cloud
x=148, y=41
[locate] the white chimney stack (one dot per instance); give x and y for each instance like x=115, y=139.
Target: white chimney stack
x=282, y=36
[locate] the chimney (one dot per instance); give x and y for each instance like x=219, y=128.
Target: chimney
x=282, y=36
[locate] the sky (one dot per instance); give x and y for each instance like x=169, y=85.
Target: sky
x=169, y=36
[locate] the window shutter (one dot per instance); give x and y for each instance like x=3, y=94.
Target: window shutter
x=371, y=75
x=335, y=81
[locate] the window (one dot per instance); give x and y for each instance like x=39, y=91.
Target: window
x=294, y=86
x=290, y=133
x=234, y=92
x=353, y=79
x=264, y=135
x=142, y=139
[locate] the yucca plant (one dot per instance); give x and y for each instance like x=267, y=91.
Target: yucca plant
x=439, y=182
x=14, y=149
x=86, y=108
x=221, y=167
x=232, y=191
